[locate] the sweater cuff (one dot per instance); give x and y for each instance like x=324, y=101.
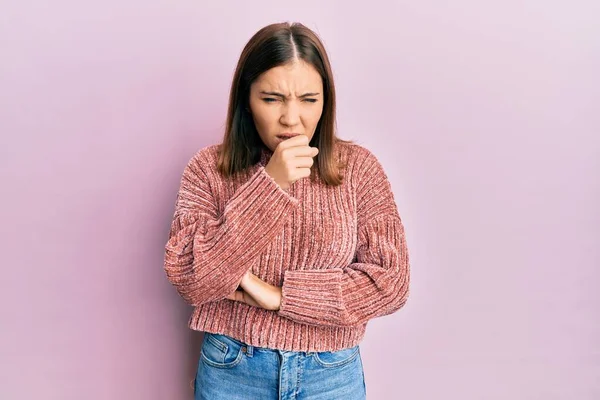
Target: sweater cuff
x=312, y=296
x=268, y=180
x=260, y=200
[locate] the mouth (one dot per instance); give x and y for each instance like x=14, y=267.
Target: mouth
x=287, y=135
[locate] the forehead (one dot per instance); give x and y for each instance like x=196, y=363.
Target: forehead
x=297, y=76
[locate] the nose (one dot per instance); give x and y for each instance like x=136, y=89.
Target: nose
x=290, y=115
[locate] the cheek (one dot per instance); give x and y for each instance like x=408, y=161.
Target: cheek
x=264, y=118
x=315, y=116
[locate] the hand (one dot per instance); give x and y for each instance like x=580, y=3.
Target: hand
x=257, y=293
x=291, y=160
x=242, y=296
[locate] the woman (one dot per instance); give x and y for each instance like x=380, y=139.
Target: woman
x=285, y=239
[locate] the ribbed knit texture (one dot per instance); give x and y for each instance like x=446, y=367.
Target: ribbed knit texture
x=339, y=253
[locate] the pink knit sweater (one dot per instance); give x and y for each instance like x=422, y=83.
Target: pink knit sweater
x=339, y=253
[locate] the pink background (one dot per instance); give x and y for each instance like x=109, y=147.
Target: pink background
x=484, y=114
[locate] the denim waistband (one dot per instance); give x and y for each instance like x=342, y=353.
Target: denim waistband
x=248, y=348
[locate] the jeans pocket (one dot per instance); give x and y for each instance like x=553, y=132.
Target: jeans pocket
x=331, y=359
x=220, y=351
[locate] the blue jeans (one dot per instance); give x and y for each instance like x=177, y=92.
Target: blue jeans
x=230, y=370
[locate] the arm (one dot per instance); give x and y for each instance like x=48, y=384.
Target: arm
x=376, y=284
x=207, y=254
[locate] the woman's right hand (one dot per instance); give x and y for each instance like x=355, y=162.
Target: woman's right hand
x=291, y=160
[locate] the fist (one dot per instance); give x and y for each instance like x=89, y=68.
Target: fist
x=291, y=160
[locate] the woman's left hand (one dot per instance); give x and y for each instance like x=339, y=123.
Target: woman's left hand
x=257, y=292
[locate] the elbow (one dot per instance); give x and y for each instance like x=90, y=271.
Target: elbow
x=394, y=301
x=399, y=297
x=195, y=294
x=198, y=298
x=400, y=290
x=194, y=289
x=398, y=304
x=387, y=304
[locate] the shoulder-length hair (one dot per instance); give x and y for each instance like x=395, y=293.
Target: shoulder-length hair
x=272, y=46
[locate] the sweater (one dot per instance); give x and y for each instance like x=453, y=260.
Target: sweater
x=338, y=253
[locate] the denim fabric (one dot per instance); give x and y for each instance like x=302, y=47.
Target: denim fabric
x=230, y=370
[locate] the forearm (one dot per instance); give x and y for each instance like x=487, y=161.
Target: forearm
x=264, y=294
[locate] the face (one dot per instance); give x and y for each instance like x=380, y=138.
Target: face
x=287, y=99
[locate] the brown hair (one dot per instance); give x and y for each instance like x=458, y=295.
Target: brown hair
x=272, y=46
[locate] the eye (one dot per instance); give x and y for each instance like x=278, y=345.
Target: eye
x=311, y=100
x=269, y=100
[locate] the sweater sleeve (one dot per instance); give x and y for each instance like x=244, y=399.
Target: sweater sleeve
x=376, y=283
x=207, y=252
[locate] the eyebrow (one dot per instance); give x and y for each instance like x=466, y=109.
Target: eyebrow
x=282, y=95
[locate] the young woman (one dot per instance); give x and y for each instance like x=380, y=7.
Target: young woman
x=286, y=239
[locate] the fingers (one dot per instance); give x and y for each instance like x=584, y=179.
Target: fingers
x=243, y=297
x=297, y=146
x=302, y=151
x=303, y=162
x=300, y=161
x=300, y=140
x=299, y=152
